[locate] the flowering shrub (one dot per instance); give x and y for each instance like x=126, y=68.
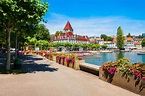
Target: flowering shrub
x=41, y=53
x=63, y=56
x=70, y=59
x=54, y=53
x=123, y=65
x=110, y=67
x=50, y=56
x=58, y=58
x=46, y=54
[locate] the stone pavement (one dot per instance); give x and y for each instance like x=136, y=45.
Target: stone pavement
x=46, y=78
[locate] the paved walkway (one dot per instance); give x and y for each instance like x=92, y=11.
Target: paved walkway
x=46, y=78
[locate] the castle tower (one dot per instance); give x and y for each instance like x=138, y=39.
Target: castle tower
x=68, y=27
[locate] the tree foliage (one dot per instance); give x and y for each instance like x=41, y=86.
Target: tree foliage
x=42, y=33
x=95, y=46
x=104, y=46
x=58, y=32
x=2, y=37
x=57, y=44
x=106, y=38
x=20, y=14
x=103, y=36
x=143, y=42
x=128, y=35
x=109, y=38
x=42, y=44
x=120, y=38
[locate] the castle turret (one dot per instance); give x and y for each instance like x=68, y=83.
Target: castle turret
x=68, y=27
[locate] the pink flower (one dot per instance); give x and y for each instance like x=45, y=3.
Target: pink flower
x=104, y=68
x=73, y=60
x=143, y=78
x=138, y=75
x=67, y=60
x=46, y=54
x=112, y=70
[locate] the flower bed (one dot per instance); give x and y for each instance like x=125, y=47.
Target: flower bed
x=124, y=74
x=70, y=60
x=58, y=59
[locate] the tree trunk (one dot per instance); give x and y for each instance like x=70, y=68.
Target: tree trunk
x=7, y=49
x=16, y=45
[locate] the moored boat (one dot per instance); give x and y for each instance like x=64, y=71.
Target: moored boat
x=141, y=53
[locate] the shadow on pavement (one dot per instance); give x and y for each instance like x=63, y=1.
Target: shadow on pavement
x=30, y=66
x=28, y=63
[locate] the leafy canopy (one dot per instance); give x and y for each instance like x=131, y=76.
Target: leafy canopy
x=120, y=38
x=42, y=33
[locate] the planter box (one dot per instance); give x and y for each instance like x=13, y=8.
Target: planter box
x=62, y=61
x=54, y=58
x=77, y=65
x=121, y=81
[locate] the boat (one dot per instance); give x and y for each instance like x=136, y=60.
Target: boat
x=141, y=53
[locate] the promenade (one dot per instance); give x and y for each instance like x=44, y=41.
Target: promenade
x=46, y=78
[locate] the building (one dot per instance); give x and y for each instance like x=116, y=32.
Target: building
x=110, y=44
x=99, y=41
x=143, y=35
x=137, y=43
x=69, y=36
x=128, y=43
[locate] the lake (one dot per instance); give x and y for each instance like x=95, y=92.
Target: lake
x=101, y=58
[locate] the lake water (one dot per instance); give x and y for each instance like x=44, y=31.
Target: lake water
x=101, y=58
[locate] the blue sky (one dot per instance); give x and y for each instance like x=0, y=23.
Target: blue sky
x=95, y=17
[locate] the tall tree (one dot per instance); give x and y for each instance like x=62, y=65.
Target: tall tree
x=103, y=36
x=19, y=13
x=120, y=38
x=42, y=33
x=129, y=35
x=109, y=38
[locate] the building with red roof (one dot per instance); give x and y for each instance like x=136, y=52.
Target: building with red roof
x=69, y=36
x=130, y=43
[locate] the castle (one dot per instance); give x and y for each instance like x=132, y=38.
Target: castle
x=69, y=36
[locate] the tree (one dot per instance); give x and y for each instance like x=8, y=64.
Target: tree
x=2, y=37
x=104, y=46
x=109, y=38
x=58, y=32
x=67, y=45
x=19, y=13
x=75, y=46
x=31, y=41
x=129, y=35
x=84, y=46
x=42, y=33
x=140, y=36
x=120, y=38
x=103, y=36
x=143, y=42
x=42, y=44
x=57, y=44
x=95, y=46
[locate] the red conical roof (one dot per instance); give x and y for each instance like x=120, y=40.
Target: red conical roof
x=67, y=26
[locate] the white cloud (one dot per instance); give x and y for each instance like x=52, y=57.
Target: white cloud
x=96, y=25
